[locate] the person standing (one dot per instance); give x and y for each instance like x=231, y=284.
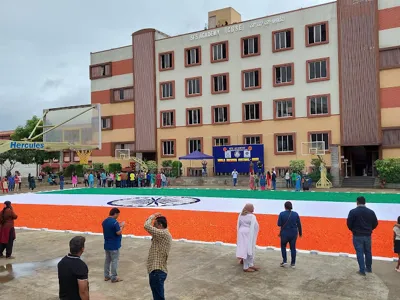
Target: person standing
x=86, y=179
x=17, y=182
x=287, y=178
x=91, y=179
x=273, y=179
x=164, y=181
x=4, y=185
x=31, y=182
x=74, y=180
x=289, y=222
x=361, y=222
x=112, y=231
x=263, y=182
x=396, y=241
x=234, y=177
x=103, y=177
x=247, y=232
x=73, y=273
x=61, y=181
x=7, y=230
x=298, y=183
x=158, y=253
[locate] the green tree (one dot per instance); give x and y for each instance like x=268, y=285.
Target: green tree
x=152, y=165
x=297, y=166
x=10, y=158
x=388, y=170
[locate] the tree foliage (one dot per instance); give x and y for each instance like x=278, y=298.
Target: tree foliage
x=297, y=166
x=388, y=170
x=26, y=156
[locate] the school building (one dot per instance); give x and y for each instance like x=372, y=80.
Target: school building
x=328, y=73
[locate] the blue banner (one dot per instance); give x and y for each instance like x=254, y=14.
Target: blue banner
x=228, y=158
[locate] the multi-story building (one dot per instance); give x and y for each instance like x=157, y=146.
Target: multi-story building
x=325, y=73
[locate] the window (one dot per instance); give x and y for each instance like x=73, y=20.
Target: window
x=251, y=79
x=130, y=146
x=252, y=112
x=194, y=144
x=193, y=116
x=221, y=141
x=282, y=40
x=167, y=90
x=320, y=137
x=220, y=114
x=193, y=56
x=283, y=74
x=252, y=140
x=318, y=70
x=168, y=148
x=106, y=123
x=122, y=94
x=168, y=118
x=193, y=86
x=284, y=143
x=284, y=108
x=317, y=34
x=250, y=46
x=219, y=52
x=318, y=105
x=100, y=71
x=166, y=61
x=220, y=83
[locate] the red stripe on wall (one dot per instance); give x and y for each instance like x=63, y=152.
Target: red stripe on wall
x=106, y=150
x=122, y=67
x=101, y=97
x=123, y=121
x=390, y=97
x=389, y=18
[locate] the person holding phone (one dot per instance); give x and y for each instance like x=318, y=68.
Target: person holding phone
x=112, y=231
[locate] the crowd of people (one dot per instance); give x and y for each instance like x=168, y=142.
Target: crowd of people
x=267, y=180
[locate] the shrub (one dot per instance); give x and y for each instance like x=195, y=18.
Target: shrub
x=115, y=167
x=389, y=170
x=98, y=167
x=151, y=165
x=47, y=169
x=79, y=170
x=166, y=163
x=297, y=166
x=68, y=171
x=176, y=168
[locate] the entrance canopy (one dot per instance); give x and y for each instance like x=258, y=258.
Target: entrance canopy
x=196, y=155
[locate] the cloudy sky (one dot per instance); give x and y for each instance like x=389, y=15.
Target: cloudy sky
x=45, y=45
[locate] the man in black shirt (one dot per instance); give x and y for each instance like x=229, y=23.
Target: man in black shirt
x=361, y=222
x=73, y=273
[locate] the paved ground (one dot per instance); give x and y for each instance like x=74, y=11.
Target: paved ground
x=196, y=272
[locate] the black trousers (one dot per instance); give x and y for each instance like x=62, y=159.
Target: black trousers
x=9, y=246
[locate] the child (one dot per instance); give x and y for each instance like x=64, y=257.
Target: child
x=5, y=185
x=263, y=182
x=74, y=180
x=396, y=240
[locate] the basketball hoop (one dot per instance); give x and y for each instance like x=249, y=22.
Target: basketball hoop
x=84, y=156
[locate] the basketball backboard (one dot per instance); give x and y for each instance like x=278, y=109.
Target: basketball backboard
x=122, y=154
x=313, y=148
x=79, y=127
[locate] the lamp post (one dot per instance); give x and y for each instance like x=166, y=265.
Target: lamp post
x=345, y=164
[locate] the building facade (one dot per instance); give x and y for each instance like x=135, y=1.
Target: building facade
x=328, y=73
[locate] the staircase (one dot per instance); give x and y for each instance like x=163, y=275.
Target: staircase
x=359, y=182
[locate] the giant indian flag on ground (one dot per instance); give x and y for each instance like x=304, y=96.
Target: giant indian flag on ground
x=210, y=215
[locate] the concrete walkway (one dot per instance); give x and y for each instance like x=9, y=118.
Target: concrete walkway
x=195, y=272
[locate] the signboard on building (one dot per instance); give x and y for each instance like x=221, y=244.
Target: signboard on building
x=228, y=158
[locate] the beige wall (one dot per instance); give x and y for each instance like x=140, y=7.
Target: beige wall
x=113, y=109
x=118, y=135
x=267, y=129
x=391, y=153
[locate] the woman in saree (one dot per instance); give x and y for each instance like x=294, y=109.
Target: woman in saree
x=263, y=182
x=269, y=178
x=298, y=183
x=251, y=181
x=247, y=232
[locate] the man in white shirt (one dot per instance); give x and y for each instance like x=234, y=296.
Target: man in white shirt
x=234, y=177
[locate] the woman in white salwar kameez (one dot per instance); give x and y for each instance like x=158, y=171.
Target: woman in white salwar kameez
x=247, y=231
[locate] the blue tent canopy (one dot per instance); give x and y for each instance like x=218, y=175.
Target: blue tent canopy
x=196, y=155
